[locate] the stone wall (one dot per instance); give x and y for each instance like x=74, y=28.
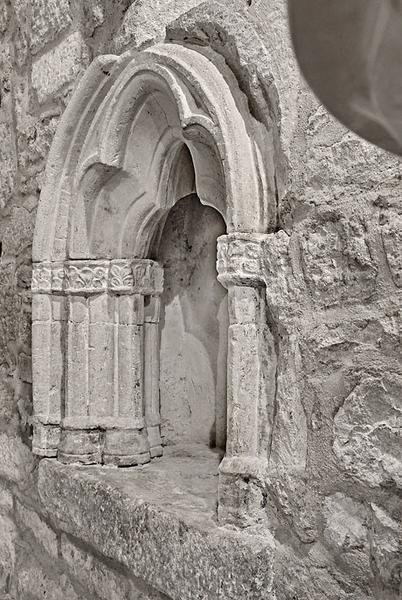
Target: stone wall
x=333, y=267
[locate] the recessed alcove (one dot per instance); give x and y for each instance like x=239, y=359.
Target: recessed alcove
x=156, y=197
x=193, y=327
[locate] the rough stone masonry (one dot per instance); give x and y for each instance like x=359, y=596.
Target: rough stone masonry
x=272, y=385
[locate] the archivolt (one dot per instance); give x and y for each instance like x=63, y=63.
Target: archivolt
x=125, y=129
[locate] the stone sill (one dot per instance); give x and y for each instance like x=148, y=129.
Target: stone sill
x=159, y=520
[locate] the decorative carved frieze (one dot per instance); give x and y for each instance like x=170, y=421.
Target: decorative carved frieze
x=41, y=277
x=239, y=260
x=57, y=277
x=120, y=276
x=137, y=276
x=47, y=277
x=86, y=277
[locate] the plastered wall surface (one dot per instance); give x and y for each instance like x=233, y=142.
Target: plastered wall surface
x=334, y=279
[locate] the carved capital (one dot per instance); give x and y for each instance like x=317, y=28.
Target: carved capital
x=58, y=277
x=86, y=276
x=136, y=276
x=47, y=277
x=121, y=277
x=239, y=260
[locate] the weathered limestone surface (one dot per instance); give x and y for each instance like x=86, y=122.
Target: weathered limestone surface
x=332, y=273
x=59, y=67
x=160, y=524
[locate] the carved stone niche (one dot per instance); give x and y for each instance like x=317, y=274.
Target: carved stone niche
x=141, y=132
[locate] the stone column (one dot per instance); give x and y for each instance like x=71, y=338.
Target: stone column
x=48, y=324
x=148, y=280
x=89, y=362
x=242, y=473
x=92, y=349
x=152, y=374
x=127, y=442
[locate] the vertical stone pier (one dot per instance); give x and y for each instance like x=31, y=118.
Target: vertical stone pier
x=48, y=325
x=151, y=375
x=243, y=470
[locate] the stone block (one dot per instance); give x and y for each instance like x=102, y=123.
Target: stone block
x=137, y=592
x=48, y=19
x=10, y=306
x=4, y=16
x=336, y=261
x=182, y=554
x=7, y=390
x=25, y=367
x=346, y=530
x=101, y=580
x=33, y=582
x=295, y=505
x=21, y=48
x=60, y=66
x=145, y=21
x=289, y=448
x=6, y=499
x=40, y=530
x=284, y=280
x=8, y=534
x=336, y=354
x=95, y=576
x=8, y=162
x=17, y=234
x=34, y=137
x=6, y=76
x=95, y=13
x=21, y=42
x=391, y=233
x=368, y=429
x=298, y=578
x=16, y=459
x=386, y=540
x=338, y=158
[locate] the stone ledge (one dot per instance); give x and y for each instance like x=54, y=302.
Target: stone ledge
x=159, y=521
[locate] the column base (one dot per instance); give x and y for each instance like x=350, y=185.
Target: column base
x=242, y=491
x=126, y=447
x=118, y=447
x=81, y=446
x=46, y=439
x=155, y=441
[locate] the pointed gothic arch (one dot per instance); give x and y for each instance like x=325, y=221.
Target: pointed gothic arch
x=114, y=171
